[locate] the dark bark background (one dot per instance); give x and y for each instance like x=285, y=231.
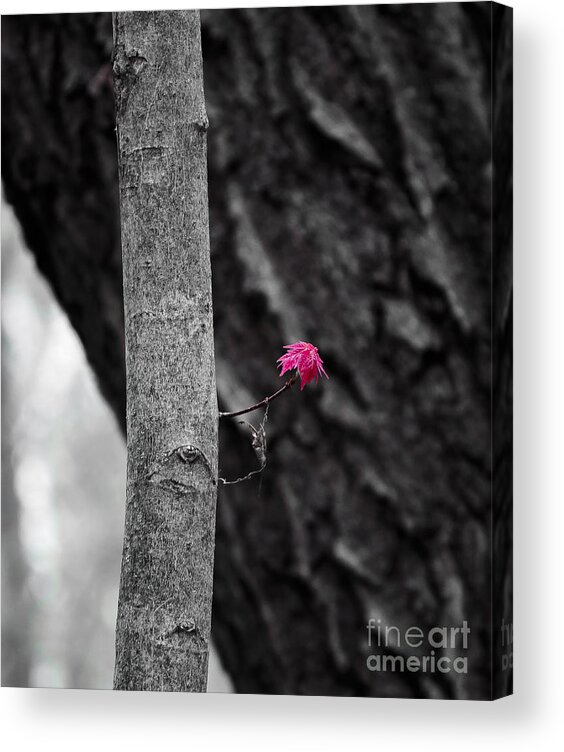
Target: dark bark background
x=350, y=185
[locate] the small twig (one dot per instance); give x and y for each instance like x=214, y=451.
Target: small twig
x=248, y=476
x=259, y=445
x=263, y=403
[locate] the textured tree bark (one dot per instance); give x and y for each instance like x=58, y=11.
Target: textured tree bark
x=350, y=187
x=165, y=599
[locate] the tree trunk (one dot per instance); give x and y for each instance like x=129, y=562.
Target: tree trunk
x=350, y=205
x=164, y=611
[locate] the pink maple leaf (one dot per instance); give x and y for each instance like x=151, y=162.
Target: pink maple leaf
x=304, y=358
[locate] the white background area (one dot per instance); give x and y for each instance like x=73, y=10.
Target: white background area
x=532, y=718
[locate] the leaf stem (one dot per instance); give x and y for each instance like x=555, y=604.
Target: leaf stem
x=264, y=402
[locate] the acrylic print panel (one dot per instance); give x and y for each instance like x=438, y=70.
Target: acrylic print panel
x=308, y=213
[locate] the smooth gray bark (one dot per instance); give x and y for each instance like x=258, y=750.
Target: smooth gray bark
x=164, y=613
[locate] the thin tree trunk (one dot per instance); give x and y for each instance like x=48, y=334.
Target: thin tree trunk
x=164, y=613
